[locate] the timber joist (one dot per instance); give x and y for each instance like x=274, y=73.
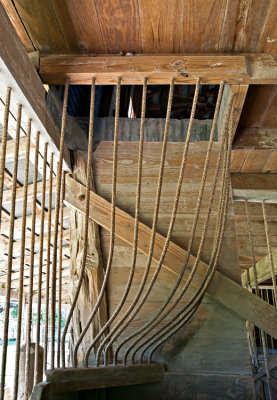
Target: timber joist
x=159, y=69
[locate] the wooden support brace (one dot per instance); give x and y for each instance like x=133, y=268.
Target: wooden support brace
x=222, y=289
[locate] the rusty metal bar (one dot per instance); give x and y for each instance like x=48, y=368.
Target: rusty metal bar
x=40, y=263
x=48, y=262
x=31, y=276
x=22, y=258
x=56, y=225
x=60, y=271
x=10, y=253
x=4, y=145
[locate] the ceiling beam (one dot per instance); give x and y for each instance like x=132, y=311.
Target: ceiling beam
x=263, y=269
x=254, y=187
x=159, y=69
x=221, y=288
x=255, y=138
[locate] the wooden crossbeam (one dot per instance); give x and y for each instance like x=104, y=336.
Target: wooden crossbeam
x=263, y=269
x=254, y=187
x=75, y=379
x=221, y=288
x=256, y=138
x=186, y=68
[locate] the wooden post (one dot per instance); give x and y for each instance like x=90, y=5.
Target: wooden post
x=94, y=268
x=21, y=380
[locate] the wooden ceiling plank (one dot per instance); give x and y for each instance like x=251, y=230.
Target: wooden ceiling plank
x=238, y=299
x=255, y=160
x=161, y=26
x=254, y=181
x=18, y=25
x=202, y=25
x=119, y=24
x=86, y=26
x=251, y=17
x=42, y=25
x=268, y=38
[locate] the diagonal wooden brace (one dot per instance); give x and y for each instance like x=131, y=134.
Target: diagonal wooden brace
x=221, y=288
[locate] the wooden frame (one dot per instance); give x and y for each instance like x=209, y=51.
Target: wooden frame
x=233, y=69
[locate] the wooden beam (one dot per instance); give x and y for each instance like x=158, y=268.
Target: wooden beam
x=76, y=379
x=186, y=68
x=17, y=72
x=255, y=138
x=254, y=187
x=263, y=269
x=223, y=289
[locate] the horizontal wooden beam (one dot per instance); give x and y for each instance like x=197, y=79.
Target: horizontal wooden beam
x=186, y=68
x=255, y=138
x=77, y=379
x=221, y=288
x=18, y=72
x=263, y=269
x=254, y=187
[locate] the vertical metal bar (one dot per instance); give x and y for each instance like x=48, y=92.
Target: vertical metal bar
x=60, y=272
x=22, y=256
x=10, y=254
x=40, y=263
x=31, y=276
x=56, y=224
x=48, y=258
x=4, y=145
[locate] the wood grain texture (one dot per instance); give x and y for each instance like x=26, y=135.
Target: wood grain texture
x=93, y=273
x=87, y=32
x=100, y=212
x=18, y=25
x=255, y=138
x=70, y=379
x=119, y=24
x=48, y=25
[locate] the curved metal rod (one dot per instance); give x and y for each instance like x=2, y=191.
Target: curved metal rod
x=112, y=235
x=84, y=258
x=223, y=206
x=119, y=327
x=56, y=223
x=171, y=224
x=200, y=292
x=136, y=225
x=144, y=329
